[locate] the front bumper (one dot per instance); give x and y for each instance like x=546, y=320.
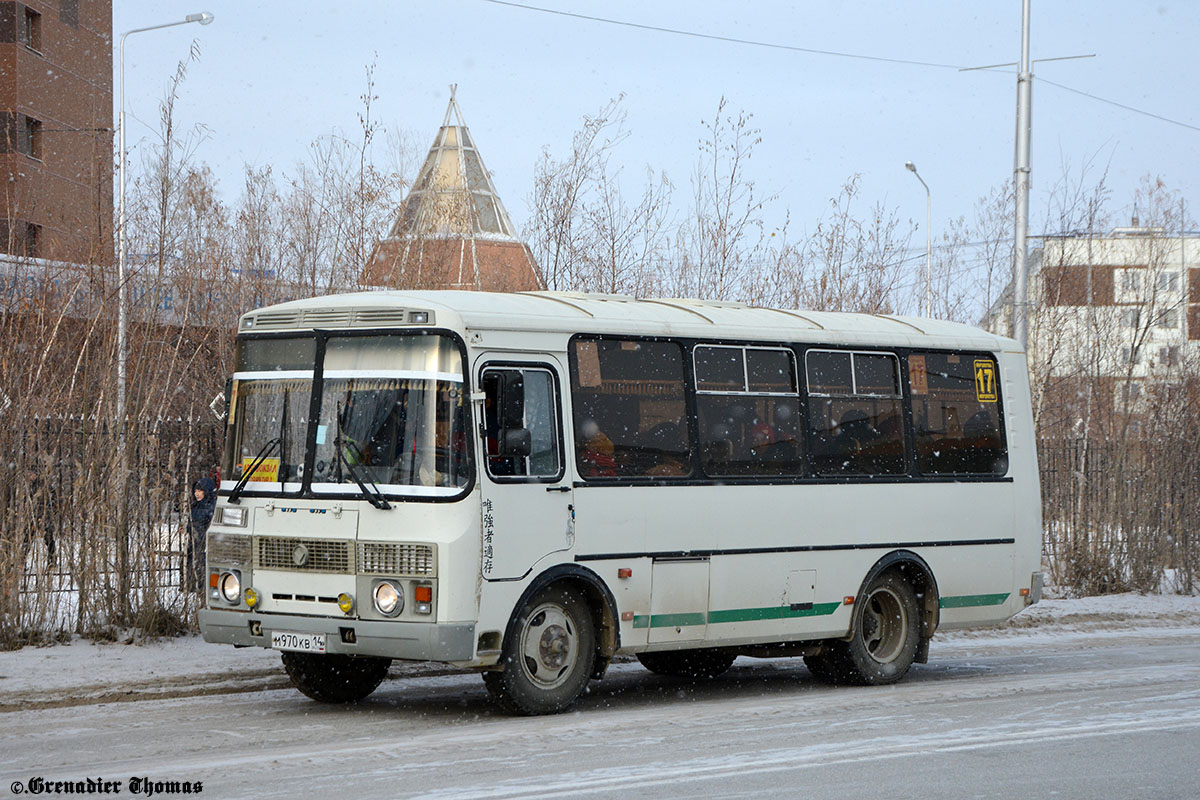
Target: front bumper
x=409, y=641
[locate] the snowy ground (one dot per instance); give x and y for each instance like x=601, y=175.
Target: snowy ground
x=83, y=672
x=1085, y=698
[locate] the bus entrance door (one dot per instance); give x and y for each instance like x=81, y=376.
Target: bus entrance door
x=527, y=509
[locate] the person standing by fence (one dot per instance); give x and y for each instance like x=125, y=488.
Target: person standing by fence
x=204, y=502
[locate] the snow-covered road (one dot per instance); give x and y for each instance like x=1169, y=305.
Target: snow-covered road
x=1085, y=703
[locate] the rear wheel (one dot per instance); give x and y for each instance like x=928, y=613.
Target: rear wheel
x=886, y=627
x=548, y=656
x=688, y=663
x=335, y=678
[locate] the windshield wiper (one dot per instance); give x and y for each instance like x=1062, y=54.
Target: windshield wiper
x=373, y=495
x=258, y=460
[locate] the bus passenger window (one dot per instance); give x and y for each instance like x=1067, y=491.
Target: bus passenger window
x=629, y=410
x=956, y=414
x=855, y=422
x=748, y=405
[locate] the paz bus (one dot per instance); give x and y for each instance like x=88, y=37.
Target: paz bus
x=532, y=484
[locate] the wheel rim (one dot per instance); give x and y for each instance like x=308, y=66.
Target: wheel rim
x=884, y=626
x=549, y=645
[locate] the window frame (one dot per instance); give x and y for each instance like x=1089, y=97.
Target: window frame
x=804, y=467
x=901, y=394
x=910, y=421
x=321, y=337
x=560, y=442
x=685, y=344
x=853, y=372
x=799, y=350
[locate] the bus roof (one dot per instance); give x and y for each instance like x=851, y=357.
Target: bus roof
x=571, y=312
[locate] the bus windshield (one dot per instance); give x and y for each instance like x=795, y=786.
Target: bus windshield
x=395, y=404
x=392, y=416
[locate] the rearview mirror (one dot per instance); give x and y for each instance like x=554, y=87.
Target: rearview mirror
x=516, y=442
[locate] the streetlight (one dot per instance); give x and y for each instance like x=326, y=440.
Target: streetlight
x=911, y=167
x=203, y=18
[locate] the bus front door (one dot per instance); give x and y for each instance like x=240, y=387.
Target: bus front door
x=527, y=510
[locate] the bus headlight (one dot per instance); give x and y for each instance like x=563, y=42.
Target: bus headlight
x=231, y=587
x=388, y=598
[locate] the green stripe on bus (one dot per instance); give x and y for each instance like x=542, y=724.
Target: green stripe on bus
x=970, y=600
x=732, y=615
x=771, y=612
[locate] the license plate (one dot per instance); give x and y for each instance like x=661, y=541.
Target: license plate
x=302, y=642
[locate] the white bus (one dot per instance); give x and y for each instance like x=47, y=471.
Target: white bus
x=532, y=484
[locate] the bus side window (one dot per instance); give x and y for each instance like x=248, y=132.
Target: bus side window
x=956, y=406
x=628, y=398
x=854, y=413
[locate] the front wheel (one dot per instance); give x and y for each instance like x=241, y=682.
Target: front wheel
x=547, y=657
x=335, y=678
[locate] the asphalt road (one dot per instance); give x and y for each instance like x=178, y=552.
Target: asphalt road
x=1109, y=715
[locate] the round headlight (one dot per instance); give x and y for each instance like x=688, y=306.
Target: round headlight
x=345, y=603
x=251, y=597
x=231, y=587
x=388, y=599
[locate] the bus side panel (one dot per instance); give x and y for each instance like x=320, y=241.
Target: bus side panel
x=1023, y=467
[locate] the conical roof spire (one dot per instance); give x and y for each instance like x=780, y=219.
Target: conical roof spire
x=453, y=232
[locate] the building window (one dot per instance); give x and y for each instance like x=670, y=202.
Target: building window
x=31, y=139
x=1131, y=281
x=19, y=238
x=1130, y=317
x=1130, y=355
x=1167, y=281
x=30, y=29
x=1168, y=356
x=1168, y=319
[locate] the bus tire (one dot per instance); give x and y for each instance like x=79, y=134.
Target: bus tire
x=548, y=655
x=335, y=678
x=687, y=663
x=886, y=633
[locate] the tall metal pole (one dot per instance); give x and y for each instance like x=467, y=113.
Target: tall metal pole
x=911, y=167
x=1021, y=179
x=122, y=472
x=203, y=18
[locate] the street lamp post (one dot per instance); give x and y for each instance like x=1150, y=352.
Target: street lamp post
x=122, y=471
x=911, y=167
x=203, y=18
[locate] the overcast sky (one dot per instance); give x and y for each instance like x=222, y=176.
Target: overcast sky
x=274, y=76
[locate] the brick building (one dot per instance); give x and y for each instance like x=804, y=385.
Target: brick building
x=56, y=137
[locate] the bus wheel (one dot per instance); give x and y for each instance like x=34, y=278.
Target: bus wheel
x=335, y=678
x=548, y=657
x=687, y=663
x=886, y=634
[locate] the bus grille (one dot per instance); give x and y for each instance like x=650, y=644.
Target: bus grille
x=385, y=558
x=304, y=555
